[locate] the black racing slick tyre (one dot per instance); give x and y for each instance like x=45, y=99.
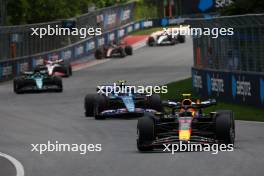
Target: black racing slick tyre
x=146, y=133
x=154, y=102
x=129, y=50
x=151, y=41
x=68, y=70
x=89, y=105
x=98, y=54
x=16, y=86
x=173, y=41
x=100, y=104
x=181, y=38
x=225, y=127
x=58, y=82
x=122, y=52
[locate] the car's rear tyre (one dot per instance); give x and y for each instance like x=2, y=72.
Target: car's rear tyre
x=100, y=104
x=98, y=54
x=122, y=52
x=154, y=102
x=225, y=127
x=89, y=105
x=129, y=50
x=146, y=133
x=173, y=41
x=151, y=41
x=68, y=70
x=181, y=38
x=16, y=86
x=58, y=82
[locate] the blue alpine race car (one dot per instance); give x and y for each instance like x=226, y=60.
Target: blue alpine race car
x=129, y=104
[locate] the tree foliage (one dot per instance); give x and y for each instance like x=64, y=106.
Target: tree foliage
x=244, y=7
x=35, y=11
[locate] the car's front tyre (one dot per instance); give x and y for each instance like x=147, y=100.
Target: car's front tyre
x=146, y=133
x=225, y=127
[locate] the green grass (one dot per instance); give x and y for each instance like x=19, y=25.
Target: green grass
x=242, y=112
x=146, y=31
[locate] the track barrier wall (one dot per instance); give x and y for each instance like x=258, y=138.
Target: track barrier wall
x=10, y=68
x=230, y=68
x=238, y=87
x=13, y=67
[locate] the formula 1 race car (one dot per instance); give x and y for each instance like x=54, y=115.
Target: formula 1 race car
x=128, y=104
x=163, y=38
x=185, y=123
x=56, y=67
x=37, y=82
x=113, y=50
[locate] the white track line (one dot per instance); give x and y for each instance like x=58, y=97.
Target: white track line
x=247, y=121
x=19, y=167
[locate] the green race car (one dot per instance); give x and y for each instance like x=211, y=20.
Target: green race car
x=37, y=81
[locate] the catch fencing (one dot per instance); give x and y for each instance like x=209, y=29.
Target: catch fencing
x=17, y=41
x=230, y=68
x=78, y=51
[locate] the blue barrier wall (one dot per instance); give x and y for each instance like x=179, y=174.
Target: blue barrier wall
x=235, y=87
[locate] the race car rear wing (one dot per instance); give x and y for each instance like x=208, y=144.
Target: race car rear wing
x=197, y=105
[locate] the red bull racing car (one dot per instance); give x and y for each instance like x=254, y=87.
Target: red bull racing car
x=186, y=122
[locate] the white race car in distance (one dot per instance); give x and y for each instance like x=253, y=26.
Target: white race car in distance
x=163, y=38
x=56, y=67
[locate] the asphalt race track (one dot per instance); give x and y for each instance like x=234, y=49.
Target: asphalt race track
x=36, y=118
